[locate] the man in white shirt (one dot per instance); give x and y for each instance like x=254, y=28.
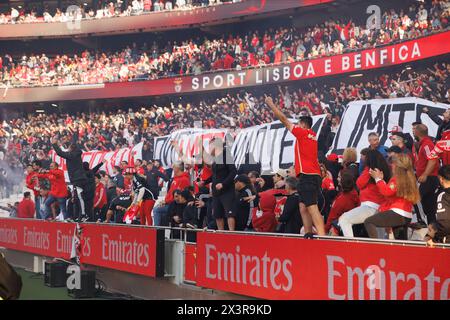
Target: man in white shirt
x=136, y=6
x=14, y=15
x=48, y=17
x=181, y=4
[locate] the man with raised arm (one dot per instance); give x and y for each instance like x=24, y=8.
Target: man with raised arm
x=74, y=162
x=306, y=168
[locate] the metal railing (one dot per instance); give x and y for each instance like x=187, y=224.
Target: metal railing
x=184, y=231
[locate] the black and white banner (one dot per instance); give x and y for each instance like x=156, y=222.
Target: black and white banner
x=188, y=140
x=270, y=144
x=380, y=115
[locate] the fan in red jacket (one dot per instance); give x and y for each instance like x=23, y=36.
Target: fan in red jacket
x=180, y=181
x=58, y=190
x=369, y=195
x=441, y=151
x=344, y=32
x=263, y=217
x=26, y=207
x=400, y=194
x=347, y=200
x=31, y=182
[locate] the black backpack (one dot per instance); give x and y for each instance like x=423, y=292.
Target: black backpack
x=10, y=281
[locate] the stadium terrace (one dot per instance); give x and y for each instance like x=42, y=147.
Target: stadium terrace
x=290, y=152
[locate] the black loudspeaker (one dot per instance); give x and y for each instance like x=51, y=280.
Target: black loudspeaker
x=55, y=274
x=87, y=284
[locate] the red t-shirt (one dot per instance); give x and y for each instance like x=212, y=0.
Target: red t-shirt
x=426, y=146
x=228, y=62
x=100, y=196
x=327, y=184
x=140, y=170
x=26, y=209
x=32, y=184
x=306, y=161
x=178, y=183
x=344, y=202
x=441, y=150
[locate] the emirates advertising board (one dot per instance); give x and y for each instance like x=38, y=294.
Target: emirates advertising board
x=138, y=250
x=272, y=267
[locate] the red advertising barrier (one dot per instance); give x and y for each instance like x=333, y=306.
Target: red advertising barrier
x=294, y=268
x=131, y=249
x=137, y=250
x=190, y=257
x=405, y=52
x=36, y=236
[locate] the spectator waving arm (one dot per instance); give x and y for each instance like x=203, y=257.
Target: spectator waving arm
x=279, y=114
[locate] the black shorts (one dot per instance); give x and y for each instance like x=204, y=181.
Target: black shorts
x=309, y=188
x=223, y=205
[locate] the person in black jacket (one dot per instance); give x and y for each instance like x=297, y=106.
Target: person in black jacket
x=118, y=206
x=141, y=194
x=439, y=231
x=74, y=163
x=175, y=214
x=246, y=199
x=444, y=124
x=117, y=177
x=89, y=191
x=290, y=218
x=190, y=214
x=111, y=191
x=152, y=177
x=223, y=173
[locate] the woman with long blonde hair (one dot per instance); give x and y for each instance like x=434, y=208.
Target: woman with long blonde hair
x=400, y=193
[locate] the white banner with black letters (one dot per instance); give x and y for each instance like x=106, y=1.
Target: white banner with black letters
x=270, y=144
x=380, y=115
x=189, y=141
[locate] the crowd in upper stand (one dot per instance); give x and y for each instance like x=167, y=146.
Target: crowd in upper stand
x=232, y=51
x=109, y=9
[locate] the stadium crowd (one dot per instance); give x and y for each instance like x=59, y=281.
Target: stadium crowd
x=23, y=140
x=373, y=198
x=109, y=9
x=251, y=49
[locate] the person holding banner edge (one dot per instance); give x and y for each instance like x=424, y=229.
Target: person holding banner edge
x=306, y=167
